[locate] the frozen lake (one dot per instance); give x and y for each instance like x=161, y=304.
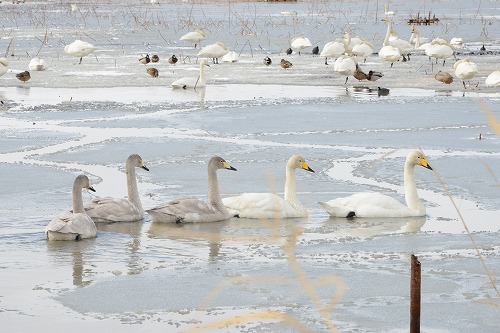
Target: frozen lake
x=314, y=274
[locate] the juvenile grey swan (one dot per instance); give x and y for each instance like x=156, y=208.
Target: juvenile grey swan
x=379, y=205
x=73, y=225
x=108, y=209
x=193, y=209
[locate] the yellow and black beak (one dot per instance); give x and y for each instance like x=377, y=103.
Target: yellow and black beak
x=228, y=167
x=144, y=167
x=423, y=162
x=306, y=167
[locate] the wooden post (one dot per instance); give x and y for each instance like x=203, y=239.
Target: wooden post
x=415, y=295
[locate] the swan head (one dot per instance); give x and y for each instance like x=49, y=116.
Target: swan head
x=203, y=63
x=298, y=162
x=217, y=162
x=83, y=181
x=417, y=158
x=136, y=161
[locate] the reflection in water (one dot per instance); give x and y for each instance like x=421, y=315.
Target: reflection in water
x=192, y=94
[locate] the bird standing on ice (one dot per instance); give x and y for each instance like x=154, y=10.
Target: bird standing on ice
x=195, y=37
x=79, y=49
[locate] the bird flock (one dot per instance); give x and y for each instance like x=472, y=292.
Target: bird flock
x=79, y=223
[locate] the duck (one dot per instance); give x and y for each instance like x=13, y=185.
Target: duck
x=333, y=49
x=359, y=74
x=195, y=36
x=214, y=51
x=285, y=63
x=368, y=204
x=382, y=91
x=270, y=205
x=345, y=65
x=388, y=52
x=23, y=76
x=493, y=80
x=300, y=43
x=186, y=210
x=37, y=64
x=152, y=71
x=79, y=49
x=172, y=60
x=155, y=58
x=374, y=76
x=108, y=209
x=444, y=77
x=465, y=70
x=76, y=224
x=4, y=66
x=289, y=51
x=145, y=60
x=267, y=61
x=192, y=82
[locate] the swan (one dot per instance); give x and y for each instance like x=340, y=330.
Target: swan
x=73, y=225
x=4, y=66
x=493, y=80
x=363, y=50
x=388, y=52
x=195, y=36
x=440, y=49
x=465, y=70
x=214, y=51
x=107, y=209
x=230, y=56
x=379, y=205
x=300, y=43
x=456, y=41
x=193, y=209
x=332, y=49
x=192, y=82
x=345, y=66
x=405, y=47
x=79, y=49
x=270, y=205
x=444, y=77
x=37, y=64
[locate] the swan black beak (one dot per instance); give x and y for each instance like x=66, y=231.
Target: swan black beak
x=91, y=188
x=228, y=167
x=145, y=168
x=424, y=163
x=306, y=167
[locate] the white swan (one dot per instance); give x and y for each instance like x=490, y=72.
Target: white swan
x=73, y=225
x=270, y=205
x=230, y=56
x=79, y=49
x=193, y=209
x=108, y=209
x=192, y=82
x=344, y=65
x=37, y=64
x=379, y=205
x=493, y=80
x=214, y=51
x=195, y=37
x=465, y=70
x=388, y=52
x=405, y=47
x=300, y=43
x=4, y=66
x=333, y=50
x=440, y=49
x=363, y=50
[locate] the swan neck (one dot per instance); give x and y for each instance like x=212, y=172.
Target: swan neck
x=213, y=190
x=411, y=196
x=133, y=192
x=388, y=33
x=417, y=40
x=290, y=188
x=77, y=199
x=202, y=72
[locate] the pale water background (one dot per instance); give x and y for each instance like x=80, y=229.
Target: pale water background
x=88, y=118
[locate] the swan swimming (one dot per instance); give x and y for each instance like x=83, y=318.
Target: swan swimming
x=368, y=204
x=192, y=82
x=108, y=209
x=193, y=209
x=75, y=224
x=270, y=205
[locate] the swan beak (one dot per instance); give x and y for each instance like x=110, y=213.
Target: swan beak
x=144, y=167
x=424, y=163
x=228, y=167
x=91, y=188
x=306, y=167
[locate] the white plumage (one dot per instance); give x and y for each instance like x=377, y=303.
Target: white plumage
x=195, y=37
x=37, y=64
x=214, y=51
x=333, y=49
x=344, y=65
x=493, y=80
x=4, y=66
x=79, y=49
x=465, y=70
x=192, y=82
x=300, y=43
x=388, y=52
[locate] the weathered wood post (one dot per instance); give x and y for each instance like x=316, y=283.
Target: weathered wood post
x=415, y=295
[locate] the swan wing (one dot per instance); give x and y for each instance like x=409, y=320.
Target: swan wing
x=187, y=210
x=262, y=205
x=108, y=209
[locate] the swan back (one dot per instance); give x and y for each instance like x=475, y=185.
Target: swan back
x=4, y=65
x=79, y=48
x=493, y=80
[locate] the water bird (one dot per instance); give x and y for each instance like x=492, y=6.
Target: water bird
x=440, y=49
x=155, y=58
x=172, y=60
x=109, y=209
x=404, y=47
x=444, y=77
x=363, y=50
x=382, y=91
x=289, y=51
x=74, y=7
x=315, y=51
x=368, y=204
x=456, y=41
x=344, y=65
x=194, y=209
x=79, y=49
x=4, y=66
x=359, y=74
x=195, y=36
x=388, y=52
x=37, y=64
x=152, y=71
x=333, y=49
x=270, y=205
x=214, y=51
x=482, y=50
x=145, y=60
x=267, y=61
x=465, y=70
x=230, y=56
x=192, y=82
x=300, y=43
x=23, y=76
x=285, y=63
x=374, y=76
x=75, y=224
x=493, y=80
